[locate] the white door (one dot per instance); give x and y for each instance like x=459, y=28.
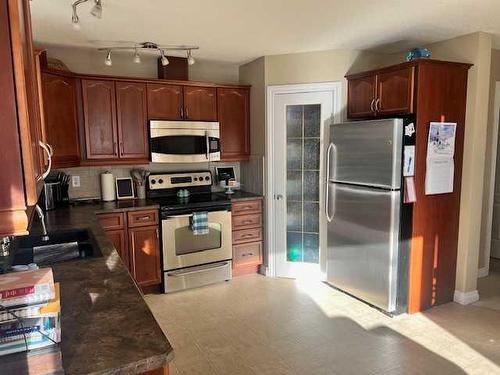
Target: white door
x=300, y=122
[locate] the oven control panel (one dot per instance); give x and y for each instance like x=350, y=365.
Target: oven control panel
x=179, y=180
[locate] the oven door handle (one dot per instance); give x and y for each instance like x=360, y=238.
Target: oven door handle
x=179, y=216
x=207, y=142
x=211, y=268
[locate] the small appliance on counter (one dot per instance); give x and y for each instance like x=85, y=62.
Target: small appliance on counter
x=227, y=179
x=55, y=190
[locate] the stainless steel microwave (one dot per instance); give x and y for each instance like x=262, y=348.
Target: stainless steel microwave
x=184, y=141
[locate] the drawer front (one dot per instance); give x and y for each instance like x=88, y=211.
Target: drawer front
x=112, y=221
x=246, y=254
x=247, y=207
x=247, y=235
x=247, y=221
x=142, y=218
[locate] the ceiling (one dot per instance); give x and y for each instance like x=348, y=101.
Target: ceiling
x=238, y=31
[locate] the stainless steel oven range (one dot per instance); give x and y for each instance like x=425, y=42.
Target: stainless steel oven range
x=190, y=259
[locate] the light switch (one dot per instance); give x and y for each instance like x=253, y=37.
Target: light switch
x=75, y=181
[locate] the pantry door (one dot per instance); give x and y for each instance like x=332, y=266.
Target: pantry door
x=300, y=122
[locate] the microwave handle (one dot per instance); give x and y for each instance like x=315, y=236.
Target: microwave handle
x=207, y=142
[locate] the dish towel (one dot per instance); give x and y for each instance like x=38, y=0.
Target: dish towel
x=199, y=223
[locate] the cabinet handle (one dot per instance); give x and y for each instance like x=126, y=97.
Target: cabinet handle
x=247, y=235
x=371, y=105
x=181, y=111
x=142, y=218
x=247, y=222
x=186, y=113
x=377, y=105
x=157, y=234
x=121, y=147
x=247, y=254
x=115, y=147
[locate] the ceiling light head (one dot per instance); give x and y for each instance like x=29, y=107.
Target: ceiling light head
x=108, y=61
x=96, y=10
x=190, y=58
x=164, y=60
x=137, y=57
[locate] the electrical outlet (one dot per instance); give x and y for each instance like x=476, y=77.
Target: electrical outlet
x=75, y=181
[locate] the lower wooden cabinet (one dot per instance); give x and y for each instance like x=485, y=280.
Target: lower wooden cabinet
x=144, y=251
x=137, y=242
x=247, y=236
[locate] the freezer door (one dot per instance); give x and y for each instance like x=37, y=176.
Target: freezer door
x=363, y=237
x=366, y=153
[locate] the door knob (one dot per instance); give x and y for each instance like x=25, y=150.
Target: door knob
x=279, y=197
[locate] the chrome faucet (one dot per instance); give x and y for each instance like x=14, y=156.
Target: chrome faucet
x=41, y=215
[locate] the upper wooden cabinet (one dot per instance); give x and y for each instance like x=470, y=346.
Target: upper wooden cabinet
x=234, y=119
x=165, y=102
x=131, y=110
x=99, y=109
x=200, y=103
x=381, y=93
x=361, y=96
x=61, y=120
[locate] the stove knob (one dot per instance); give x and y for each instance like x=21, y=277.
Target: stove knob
x=195, y=179
x=207, y=178
x=160, y=181
x=153, y=182
x=201, y=178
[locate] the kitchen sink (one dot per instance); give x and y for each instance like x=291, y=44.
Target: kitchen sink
x=54, y=248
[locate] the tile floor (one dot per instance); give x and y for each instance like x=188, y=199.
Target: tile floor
x=258, y=325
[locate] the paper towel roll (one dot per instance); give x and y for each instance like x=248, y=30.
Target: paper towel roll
x=108, y=192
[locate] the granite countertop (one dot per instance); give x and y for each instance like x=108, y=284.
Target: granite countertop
x=107, y=327
x=240, y=195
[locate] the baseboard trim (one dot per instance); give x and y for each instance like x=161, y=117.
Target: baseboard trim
x=483, y=272
x=466, y=298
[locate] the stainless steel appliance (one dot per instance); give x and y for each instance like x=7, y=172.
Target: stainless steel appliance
x=184, y=141
x=368, y=225
x=191, y=260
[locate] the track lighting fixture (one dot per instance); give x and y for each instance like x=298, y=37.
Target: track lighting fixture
x=96, y=11
x=150, y=46
x=108, y=61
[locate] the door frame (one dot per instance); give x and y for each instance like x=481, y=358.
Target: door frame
x=335, y=87
x=485, y=270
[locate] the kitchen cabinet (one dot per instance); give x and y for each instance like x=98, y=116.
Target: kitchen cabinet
x=61, y=119
x=361, y=93
x=200, y=103
x=21, y=155
x=99, y=109
x=135, y=236
x=247, y=235
x=381, y=93
x=144, y=245
x=131, y=108
x=234, y=118
x=165, y=102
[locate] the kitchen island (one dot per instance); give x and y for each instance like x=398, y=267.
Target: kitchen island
x=107, y=327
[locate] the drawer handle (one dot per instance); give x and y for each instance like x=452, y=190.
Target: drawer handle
x=246, y=208
x=247, y=235
x=142, y=218
x=247, y=222
x=247, y=254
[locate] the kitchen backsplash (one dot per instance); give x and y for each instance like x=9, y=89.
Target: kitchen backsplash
x=90, y=183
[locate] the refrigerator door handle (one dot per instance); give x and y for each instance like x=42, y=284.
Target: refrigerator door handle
x=327, y=197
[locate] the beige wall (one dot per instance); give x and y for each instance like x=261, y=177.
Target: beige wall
x=476, y=49
x=489, y=178
x=91, y=61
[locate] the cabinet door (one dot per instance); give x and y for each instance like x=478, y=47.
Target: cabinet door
x=361, y=96
x=144, y=249
x=234, y=118
x=395, y=92
x=200, y=103
x=132, y=120
x=164, y=102
x=99, y=109
x=119, y=240
x=61, y=121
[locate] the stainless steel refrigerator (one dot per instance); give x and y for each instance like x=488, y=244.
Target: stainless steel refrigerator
x=368, y=225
